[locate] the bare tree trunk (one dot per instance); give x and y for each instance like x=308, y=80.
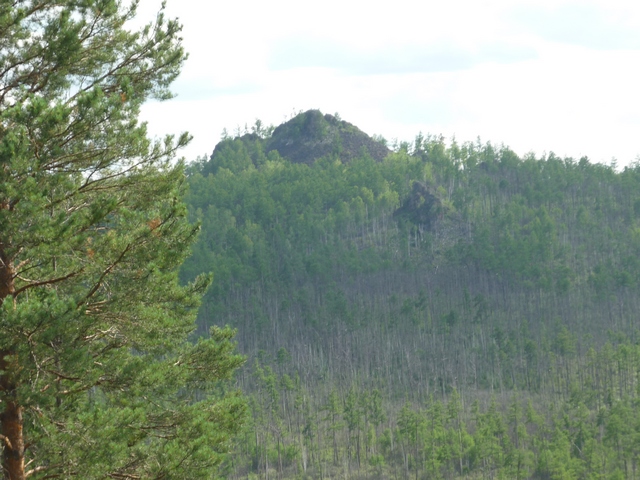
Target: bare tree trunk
x=11, y=417
x=11, y=425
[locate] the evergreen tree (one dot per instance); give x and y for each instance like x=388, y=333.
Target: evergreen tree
x=96, y=376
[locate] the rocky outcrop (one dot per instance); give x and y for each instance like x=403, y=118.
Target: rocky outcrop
x=312, y=135
x=303, y=139
x=421, y=207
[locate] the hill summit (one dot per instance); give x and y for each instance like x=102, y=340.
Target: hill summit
x=312, y=135
x=305, y=138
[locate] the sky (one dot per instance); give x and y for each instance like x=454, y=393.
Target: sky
x=536, y=76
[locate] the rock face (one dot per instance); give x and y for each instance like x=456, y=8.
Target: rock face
x=422, y=207
x=303, y=139
x=311, y=135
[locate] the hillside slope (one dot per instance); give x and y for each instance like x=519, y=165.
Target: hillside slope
x=442, y=270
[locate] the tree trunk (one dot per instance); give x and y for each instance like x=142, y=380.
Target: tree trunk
x=11, y=416
x=11, y=425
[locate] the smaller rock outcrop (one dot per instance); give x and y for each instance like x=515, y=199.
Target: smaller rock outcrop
x=422, y=206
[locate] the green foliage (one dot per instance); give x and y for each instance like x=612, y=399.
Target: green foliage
x=510, y=438
x=96, y=375
x=510, y=284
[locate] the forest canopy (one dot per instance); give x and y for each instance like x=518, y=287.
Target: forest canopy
x=449, y=310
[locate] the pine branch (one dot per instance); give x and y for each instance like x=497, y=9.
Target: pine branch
x=47, y=282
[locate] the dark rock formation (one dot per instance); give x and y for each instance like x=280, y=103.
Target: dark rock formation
x=422, y=206
x=303, y=139
x=311, y=135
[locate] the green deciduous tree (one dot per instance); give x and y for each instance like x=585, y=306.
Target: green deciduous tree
x=96, y=376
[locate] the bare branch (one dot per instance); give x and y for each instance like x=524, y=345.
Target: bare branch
x=46, y=282
x=6, y=441
x=62, y=376
x=42, y=469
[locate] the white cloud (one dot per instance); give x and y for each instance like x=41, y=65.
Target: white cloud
x=585, y=24
x=537, y=75
x=302, y=51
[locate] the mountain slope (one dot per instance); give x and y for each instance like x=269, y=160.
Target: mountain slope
x=439, y=271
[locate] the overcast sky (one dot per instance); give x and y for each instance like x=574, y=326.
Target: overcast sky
x=537, y=76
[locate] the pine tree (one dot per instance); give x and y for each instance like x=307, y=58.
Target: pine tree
x=97, y=378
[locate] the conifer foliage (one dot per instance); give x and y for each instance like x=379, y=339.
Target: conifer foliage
x=97, y=379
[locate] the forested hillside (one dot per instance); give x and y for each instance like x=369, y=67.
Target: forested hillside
x=435, y=311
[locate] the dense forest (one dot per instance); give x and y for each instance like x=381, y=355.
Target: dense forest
x=422, y=310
